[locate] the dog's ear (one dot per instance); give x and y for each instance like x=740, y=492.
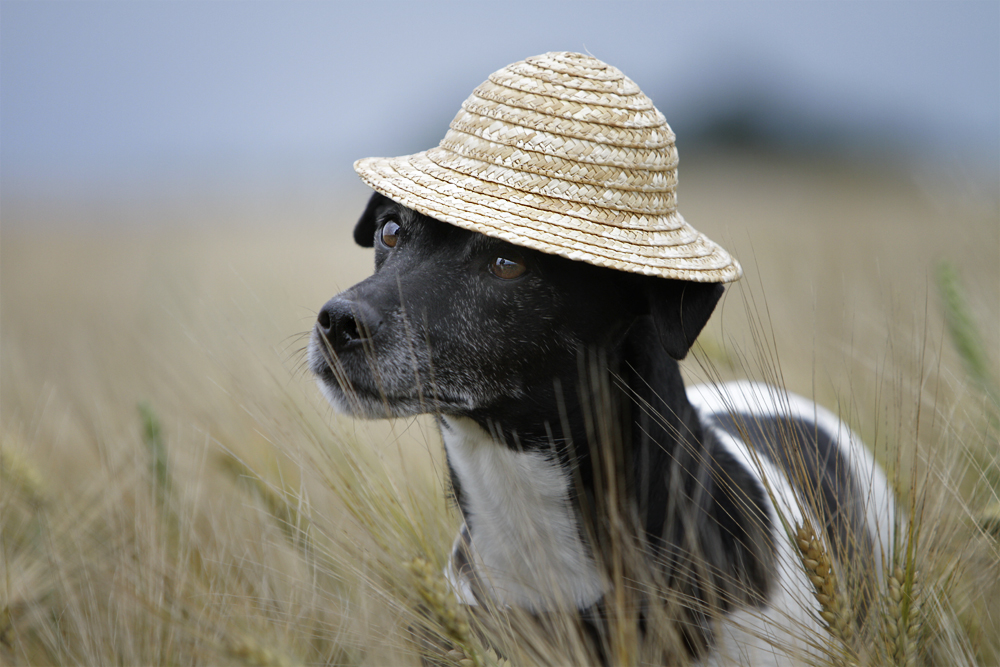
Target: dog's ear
x=680, y=310
x=364, y=231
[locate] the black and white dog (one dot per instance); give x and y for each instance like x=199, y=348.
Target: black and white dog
x=546, y=373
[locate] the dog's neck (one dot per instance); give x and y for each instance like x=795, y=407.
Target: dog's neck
x=534, y=485
x=615, y=451
x=622, y=407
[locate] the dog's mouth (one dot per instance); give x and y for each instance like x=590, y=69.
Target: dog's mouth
x=352, y=384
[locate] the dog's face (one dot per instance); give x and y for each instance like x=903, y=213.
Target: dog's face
x=453, y=321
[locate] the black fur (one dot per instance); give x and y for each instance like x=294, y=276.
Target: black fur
x=364, y=231
x=572, y=360
x=816, y=466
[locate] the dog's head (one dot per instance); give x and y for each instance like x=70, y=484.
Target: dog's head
x=453, y=321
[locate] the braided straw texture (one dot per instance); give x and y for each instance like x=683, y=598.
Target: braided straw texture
x=563, y=154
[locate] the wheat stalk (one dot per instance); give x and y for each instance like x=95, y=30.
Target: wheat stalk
x=489, y=657
x=835, y=610
x=249, y=652
x=901, y=619
x=433, y=590
x=18, y=472
x=447, y=613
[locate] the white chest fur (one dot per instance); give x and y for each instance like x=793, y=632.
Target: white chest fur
x=525, y=537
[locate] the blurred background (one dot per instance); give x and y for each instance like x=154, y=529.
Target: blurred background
x=176, y=190
x=236, y=106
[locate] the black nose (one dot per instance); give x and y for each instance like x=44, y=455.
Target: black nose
x=344, y=323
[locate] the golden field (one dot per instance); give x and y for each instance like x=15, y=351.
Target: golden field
x=174, y=490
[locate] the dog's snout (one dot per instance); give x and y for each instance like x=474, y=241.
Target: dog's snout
x=344, y=323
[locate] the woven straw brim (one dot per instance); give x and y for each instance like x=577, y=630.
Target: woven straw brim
x=562, y=154
x=678, y=251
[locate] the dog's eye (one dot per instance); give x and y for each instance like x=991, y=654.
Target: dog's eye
x=390, y=234
x=507, y=268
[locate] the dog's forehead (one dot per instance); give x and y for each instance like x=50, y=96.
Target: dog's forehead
x=402, y=213
x=482, y=243
x=415, y=221
x=476, y=244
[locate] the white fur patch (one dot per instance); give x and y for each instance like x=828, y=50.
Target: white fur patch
x=764, y=400
x=527, y=550
x=526, y=544
x=779, y=634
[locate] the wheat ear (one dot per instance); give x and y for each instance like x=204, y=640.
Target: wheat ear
x=21, y=476
x=249, y=652
x=835, y=611
x=446, y=611
x=901, y=619
x=440, y=601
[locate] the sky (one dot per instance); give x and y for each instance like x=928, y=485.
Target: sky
x=108, y=97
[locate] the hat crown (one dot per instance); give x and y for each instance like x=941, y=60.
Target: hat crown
x=565, y=154
x=570, y=127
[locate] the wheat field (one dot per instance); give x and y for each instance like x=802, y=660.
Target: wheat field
x=174, y=491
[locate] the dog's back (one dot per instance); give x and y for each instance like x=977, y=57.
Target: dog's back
x=817, y=474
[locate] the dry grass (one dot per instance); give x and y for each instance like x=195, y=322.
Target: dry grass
x=233, y=519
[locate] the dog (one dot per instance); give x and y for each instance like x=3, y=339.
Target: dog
x=558, y=393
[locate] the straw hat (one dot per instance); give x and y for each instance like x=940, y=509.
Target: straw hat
x=564, y=154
